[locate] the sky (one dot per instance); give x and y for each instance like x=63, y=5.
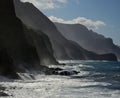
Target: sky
x=102, y=16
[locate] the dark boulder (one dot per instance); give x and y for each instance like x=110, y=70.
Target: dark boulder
x=2, y=94
x=68, y=73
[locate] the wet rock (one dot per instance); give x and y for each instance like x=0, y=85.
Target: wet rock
x=68, y=73
x=55, y=71
x=2, y=94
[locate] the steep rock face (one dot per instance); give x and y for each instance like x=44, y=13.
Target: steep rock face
x=33, y=18
x=11, y=32
x=7, y=67
x=88, y=55
x=63, y=48
x=88, y=39
x=15, y=45
x=42, y=45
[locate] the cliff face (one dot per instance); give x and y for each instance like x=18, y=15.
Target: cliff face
x=11, y=32
x=19, y=46
x=33, y=18
x=88, y=39
x=42, y=45
x=63, y=48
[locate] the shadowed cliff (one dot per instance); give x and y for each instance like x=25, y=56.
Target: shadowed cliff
x=63, y=48
x=20, y=47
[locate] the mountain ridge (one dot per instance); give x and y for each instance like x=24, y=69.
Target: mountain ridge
x=88, y=39
x=63, y=48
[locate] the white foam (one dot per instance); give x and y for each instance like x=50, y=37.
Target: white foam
x=51, y=86
x=58, y=87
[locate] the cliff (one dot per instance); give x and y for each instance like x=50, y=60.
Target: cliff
x=63, y=48
x=88, y=39
x=17, y=53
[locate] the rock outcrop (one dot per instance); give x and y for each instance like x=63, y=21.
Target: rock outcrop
x=88, y=39
x=63, y=48
x=20, y=47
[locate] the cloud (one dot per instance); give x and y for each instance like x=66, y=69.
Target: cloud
x=47, y=4
x=80, y=20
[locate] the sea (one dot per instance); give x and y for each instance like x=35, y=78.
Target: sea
x=103, y=76
x=96, y=79
x=99, y=71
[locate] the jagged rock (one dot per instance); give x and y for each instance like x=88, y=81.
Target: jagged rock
x=2, y=94
x=60, y=71
x=68, y=73
x=55, y=71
